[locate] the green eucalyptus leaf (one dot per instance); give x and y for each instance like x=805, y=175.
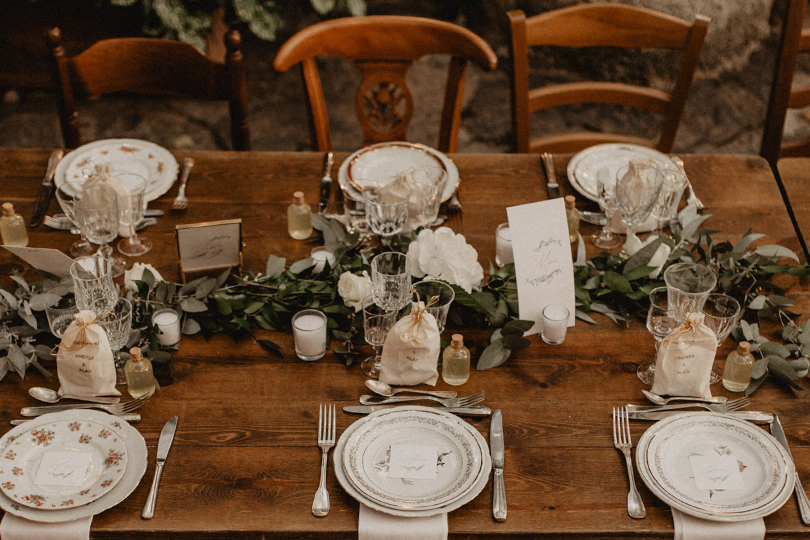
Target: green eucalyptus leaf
x=205, y=288
x=783, y=371
x=754, y=384
x=760, y=368
x=776, y=251
x=493, y=355
x=223, y=305
x=642, y=257
x=272, y=347
x=581, y=315
x=190, y=287
x=771, y=348
x=746, y=241
x=515, y=343
x=299, y=266
x=639, y=272
x=522, y=324
x=617, y=282
x=191, y=327
x=192, y=305
x=39, y=302
x=21, y=282
x=275, y=266
x=10, y=298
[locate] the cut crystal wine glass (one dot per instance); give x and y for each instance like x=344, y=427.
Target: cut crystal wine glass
x=67, y=202
x=391, y=280
x=720, y=313
x=117, y=323
x=662, y=320
x=97, y=214
x=376, y=324
x=606, y=197
x=133, y=246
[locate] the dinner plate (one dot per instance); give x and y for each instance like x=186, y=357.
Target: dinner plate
x=99, y=455
x=147, y=159
x=583, y=165
x=136, y=466
x=664, y=457
x=473, y=492
x=367, y=454
x=386, y=160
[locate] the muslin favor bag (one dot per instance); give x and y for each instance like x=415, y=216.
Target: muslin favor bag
x=683, y=364
x=410, y=353
x=104, y=176
x=84, y=361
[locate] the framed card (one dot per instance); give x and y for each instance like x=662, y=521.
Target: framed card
x=208, y=246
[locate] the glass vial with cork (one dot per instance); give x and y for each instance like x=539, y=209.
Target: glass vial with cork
x=12, y=227
x=573, y=217
x=739, y=364
x=299, y=217
x=138, y=370
x=456, y=362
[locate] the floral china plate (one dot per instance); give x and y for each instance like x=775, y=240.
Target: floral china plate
x=61, y=464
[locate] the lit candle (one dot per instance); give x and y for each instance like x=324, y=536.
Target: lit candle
x=168, y=321
x=555, y=323
x=503, y=245
x=309, y=331
x=320, y=255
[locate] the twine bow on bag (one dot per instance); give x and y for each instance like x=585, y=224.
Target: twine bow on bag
x=688, y=326
x=81, y=337
x=419, y=310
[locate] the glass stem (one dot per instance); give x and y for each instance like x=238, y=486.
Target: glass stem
x=105, y=250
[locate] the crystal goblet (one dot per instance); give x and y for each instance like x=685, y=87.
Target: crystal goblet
x=117, y=323
x=666, y=208
x=130, y=217
x=97, y=214
x=93, y=282
x=386, y=209
x=61, y=315
x=606, y=197
x=720, y=313
x=662, y=320
x=391, y=280
x=376, y=324
x=689, y=281
x=444, y=294
x=67, y=202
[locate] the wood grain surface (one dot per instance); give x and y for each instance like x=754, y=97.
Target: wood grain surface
x=245, y=465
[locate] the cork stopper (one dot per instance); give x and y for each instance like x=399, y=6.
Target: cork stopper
x=298, y=197
x=743, y=348
x=8, y=209
x=457, y=341
x=135, y=354
x=570, y=201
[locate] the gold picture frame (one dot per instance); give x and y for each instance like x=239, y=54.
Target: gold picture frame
x=209, y=246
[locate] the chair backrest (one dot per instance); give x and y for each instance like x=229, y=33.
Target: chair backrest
x=148, y=66
x=784, y=96
x=383, y=48
x=601, y=25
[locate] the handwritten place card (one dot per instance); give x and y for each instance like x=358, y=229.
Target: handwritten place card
x=51, y=261
x=413, y=461
x=543, y=264
x=717, y=472
x=63, y=469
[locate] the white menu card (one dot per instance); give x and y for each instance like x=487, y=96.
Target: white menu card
x=543, y=264
x=47, y=260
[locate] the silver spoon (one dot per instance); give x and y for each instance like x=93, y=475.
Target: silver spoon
x=384, y=390
x=50, y=396
x=658, y=400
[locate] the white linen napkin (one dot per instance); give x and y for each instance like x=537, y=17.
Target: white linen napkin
x=691, y=528
x=17, y=528
x=374, y=525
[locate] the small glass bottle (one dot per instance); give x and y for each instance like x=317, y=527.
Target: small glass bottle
x=140, y=379
x=12, y=227
x=573, y=217
x=739, y=363
x=456, y=362
x=299, y=217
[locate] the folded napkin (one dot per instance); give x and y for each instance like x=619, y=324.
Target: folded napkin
x=691, y=528
x=374, y=525
x=17, y=528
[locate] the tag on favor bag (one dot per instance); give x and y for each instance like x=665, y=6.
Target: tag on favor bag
x=410, y=354
x=84, y=361
x=683, y=364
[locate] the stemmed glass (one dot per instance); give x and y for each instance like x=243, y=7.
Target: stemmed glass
x=637, y=190
x=391, y=280
x=93, y=286
x=376, y=324
x=425, y=290
x=667, y=206
x=689, y=281
x=67, y=202
x=130, y=217
x=662, y=320
x=97, y=214
x=606, y=197
x=386, y=209
x=61, y=316
x=117, y=322
x=720, y=313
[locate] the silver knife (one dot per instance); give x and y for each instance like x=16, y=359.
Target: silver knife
x=461, y=411
x=132, y=418
x=46, y=190
x=165, y=442
x=801, y=496
x=552, y=186
x=496, y=449
x=326, y=182
x=753, y=416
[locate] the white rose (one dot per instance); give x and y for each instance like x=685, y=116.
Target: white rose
x=354, y=288
x=447, y=256
x=136, y=274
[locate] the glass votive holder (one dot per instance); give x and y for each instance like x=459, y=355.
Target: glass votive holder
x=60, y=316
x=309, y=331
x=555, y=323
x=320, y=256
x=503, y=245
x=168, y=320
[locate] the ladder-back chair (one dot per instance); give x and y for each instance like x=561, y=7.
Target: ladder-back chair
x=601, y=25
x=383, y=48
x=148, y=66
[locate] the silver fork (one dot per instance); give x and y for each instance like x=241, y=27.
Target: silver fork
x=116, y=409
x=733, y=405
x=447, y=402
x=326, y=440
x=621, y=440
x=181, y=202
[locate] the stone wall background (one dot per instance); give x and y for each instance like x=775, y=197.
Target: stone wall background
x=725, y=111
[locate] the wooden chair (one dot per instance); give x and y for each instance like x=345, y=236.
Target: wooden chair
x=383, y=48
x=148, y=66
x=601, y=25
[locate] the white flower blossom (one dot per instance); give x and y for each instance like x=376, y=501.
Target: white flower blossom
x=136, y=274
x=445, y=255
x=354, y=289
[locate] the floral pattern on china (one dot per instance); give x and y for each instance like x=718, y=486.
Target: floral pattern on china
x=35, y=467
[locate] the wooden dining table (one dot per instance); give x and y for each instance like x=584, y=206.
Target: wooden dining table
x=245, y=463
